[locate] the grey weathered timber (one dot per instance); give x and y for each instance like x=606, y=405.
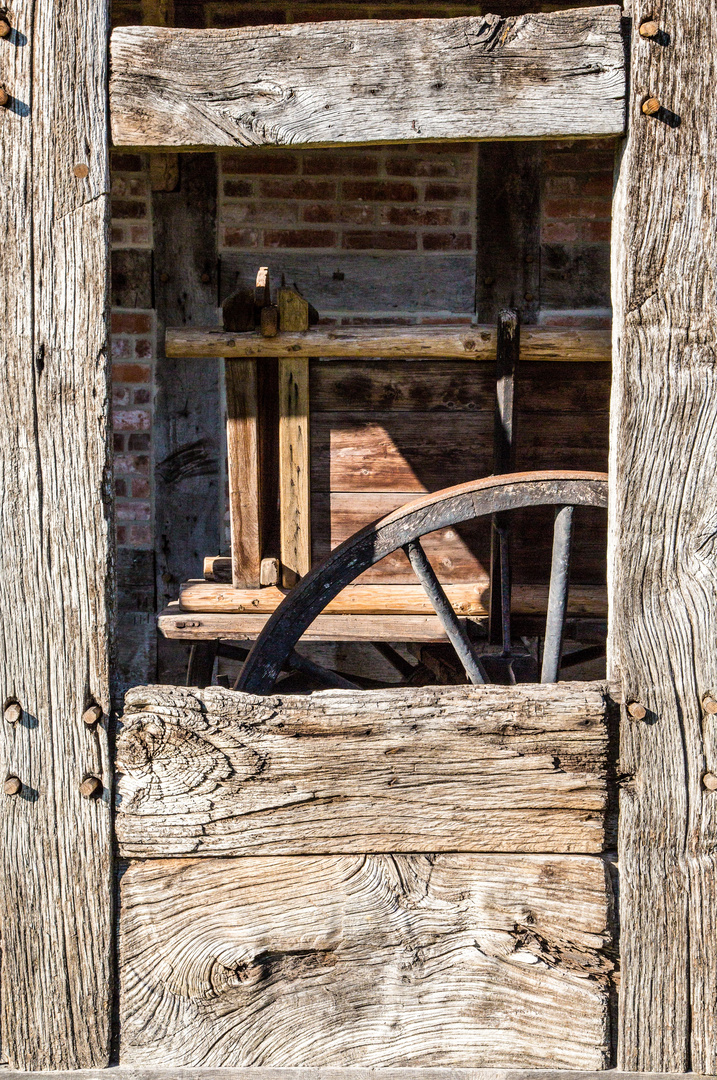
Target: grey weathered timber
x=128, y=1072
x=464, y=343
x=212, y=771
x=187, y=430
x=663, y=580
x=366, y=960
x=57, y=563
x=557, y=75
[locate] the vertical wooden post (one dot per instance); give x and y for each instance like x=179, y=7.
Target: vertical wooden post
x=56, y=573
x=243, y=460
x=663, y=526
x=294, y=468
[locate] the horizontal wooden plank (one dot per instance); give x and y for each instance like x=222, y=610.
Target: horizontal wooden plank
x=418, y=452
x=367, y=961
x=461, y=554
x=562, y=344
x=432, y=769
x=369, y=81
x=456, y=386
x=184, y=626
x=157, y=1072
x=379, y=599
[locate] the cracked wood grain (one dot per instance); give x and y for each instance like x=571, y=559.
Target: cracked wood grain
x=366, y=961
x=213, y=772
x=56, y=566
x=532, y=76
x=663, y=572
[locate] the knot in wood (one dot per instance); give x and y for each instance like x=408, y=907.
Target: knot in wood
x=177, y=761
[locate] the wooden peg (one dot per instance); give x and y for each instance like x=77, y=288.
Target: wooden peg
x=4, y=96
x=270, y=321
x=262, y=289
x=710, y=706
x=92, y=714
x=636, y=710
x=293, y=311
x=5, y=28
x=709, y=780
x=13, y=785
x=90, y=787
x=651, y=106
x=269, y=573
x=649, y=29
x=13, y=713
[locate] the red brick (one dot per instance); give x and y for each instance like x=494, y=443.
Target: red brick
x=447, y=241
x=120, y=395
x=340, y=163
x=298, y=189
x=238, y=189
x=139, y=442
x=599, y=184
x=120, y=489
x=382, y=240
x=380, y=191
x=141, y=535
x=252, y=163
x=129, y=208
x=142, y=397
x=415, y=215
x=561, y=185
x=410, y=166
x=118, y=443
x=126, y=163
x=453, y=320
x=121, y=535
x=132, y=511
x=131, y=322
x=243, y=238
x=123, y=186
x=299, y=238
x=564, y=209
x=121, y=348
x=260, y=214
x=578, y=162
x=140, y=489
x=117, y=235
x=328, y=213
x=559, y=232
x=131, y=420
x=139, y=234
x=131, y=464
x=447, y=192
x=130, y=373
x=596, y=231
x=143, y=348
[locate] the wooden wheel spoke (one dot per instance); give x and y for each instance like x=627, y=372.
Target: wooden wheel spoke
x=558, y=594
x=455, y=631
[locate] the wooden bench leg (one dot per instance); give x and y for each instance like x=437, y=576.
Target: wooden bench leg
x=243, y=458
x=294, y=467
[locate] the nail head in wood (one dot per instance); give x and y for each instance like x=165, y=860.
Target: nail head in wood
x=5, y=28
x=651, y=106
x=90, y=787
x=92, y=714
x=13, y=712
x=709, y=781
x=710, y=706
x=13, y=785
x=81, y=171
x=649, y=29
x=636, y=710
x=4, y=96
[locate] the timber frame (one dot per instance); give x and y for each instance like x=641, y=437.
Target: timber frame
x=55, y=865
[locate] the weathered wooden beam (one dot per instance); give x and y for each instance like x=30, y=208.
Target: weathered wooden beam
x=494, y=768
x=56, y=567
x=366, y=960
x=467, y=599
x=663, y=491
x=367, y=81
x=244, y=469
x=464, y=343
x=294, y=468
x=129, y=1072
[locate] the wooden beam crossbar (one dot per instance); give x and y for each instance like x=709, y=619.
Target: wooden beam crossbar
x=541, y=76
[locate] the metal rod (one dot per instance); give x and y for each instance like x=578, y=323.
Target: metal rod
x=507, y=357
x=455, y=632
x=394, y=658
x=558, y=595
x=330, y=678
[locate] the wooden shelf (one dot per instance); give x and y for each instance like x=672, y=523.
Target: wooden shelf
x=563, y=344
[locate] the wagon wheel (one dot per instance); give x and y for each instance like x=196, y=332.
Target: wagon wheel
x=403, y=529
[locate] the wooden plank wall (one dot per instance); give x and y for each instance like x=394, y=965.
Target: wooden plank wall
x=422, y=881
x=416, y=426
x=57, y=550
